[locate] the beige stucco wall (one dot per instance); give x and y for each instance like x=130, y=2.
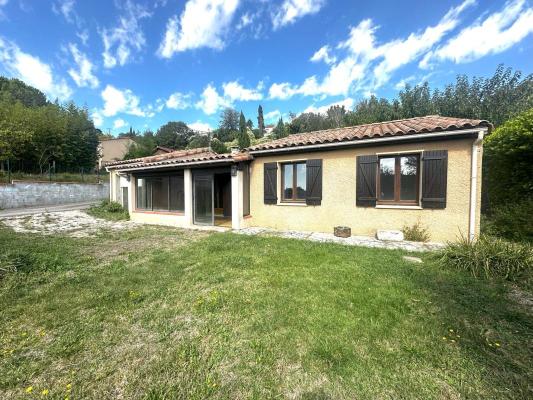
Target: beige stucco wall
x=338, y=195
x=113, y=150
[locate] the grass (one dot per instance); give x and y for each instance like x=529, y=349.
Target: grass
x=60, y=177
x=109, y=210
x=157, y=313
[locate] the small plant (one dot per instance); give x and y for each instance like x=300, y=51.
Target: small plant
x=110, y=210
x=415, y=233
x=490, y=257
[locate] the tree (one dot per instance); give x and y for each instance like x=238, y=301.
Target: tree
x=280, y=130
x=174, y=134
x=260, y=121
x=250, y=124
x=198, y=140
x=218, y=147
x=228, y=125
x=243, y=139
x=508, y=160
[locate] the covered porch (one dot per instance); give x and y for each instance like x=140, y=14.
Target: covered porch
x=202, y=189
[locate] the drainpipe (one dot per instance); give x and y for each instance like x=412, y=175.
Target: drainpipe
x=473, y=186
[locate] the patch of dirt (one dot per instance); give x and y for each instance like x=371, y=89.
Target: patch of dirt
x=73, y=223
x=522, y=298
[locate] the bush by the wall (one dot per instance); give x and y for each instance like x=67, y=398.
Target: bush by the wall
x=512, y=221
x=110, y=210
x=490, y=257
x=415, y=233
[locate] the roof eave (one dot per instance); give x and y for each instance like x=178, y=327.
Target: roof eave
x=373, y=141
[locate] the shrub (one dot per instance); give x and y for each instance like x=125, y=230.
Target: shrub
x=490, y=257
x=512, y=222
x=508, y=154
x=110, y=210
x=218, y=147
x=415, y=233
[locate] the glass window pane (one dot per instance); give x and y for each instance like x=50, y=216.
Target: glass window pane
x=160, y=193
x=300, y=181
x=287, y=181
x=177, y=195
x=408, y=177
x=386, y=178
x=141, y=193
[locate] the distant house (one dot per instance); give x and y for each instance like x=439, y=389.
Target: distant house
x=110, y=150
x=269, y=129
x=162, y=150
x=381, y=176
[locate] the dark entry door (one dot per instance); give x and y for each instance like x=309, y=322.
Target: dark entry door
x=203, y=199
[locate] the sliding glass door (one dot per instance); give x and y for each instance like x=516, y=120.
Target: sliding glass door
x=203, y=199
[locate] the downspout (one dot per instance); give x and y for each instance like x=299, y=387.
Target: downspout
x=473, y=186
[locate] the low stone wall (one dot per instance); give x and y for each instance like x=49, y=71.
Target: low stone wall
x=29, y=194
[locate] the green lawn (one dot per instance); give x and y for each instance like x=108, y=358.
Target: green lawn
x=162, y=313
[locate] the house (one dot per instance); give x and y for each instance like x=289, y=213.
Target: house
x=110, y=150
x=269, y=129
x=368, y=177
x=162, y=150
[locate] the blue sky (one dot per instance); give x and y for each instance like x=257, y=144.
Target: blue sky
x=145, y=63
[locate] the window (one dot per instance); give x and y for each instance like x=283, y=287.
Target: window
x=398, y=179
x=293, y=181
x=161, y=193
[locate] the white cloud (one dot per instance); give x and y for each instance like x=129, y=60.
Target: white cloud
x=211, y=101
x=98, y=119
x=83, y=35
x=322, y=54
x=65, y=8
x=246, y=19
x=292, y=10
x=83, y=75
x=33, y=71
x=348, y=104
x=235, y=91
x=2, y=4
x=494, y=34
x=272, y=116
x=119, y=123
x=402, y=82
x=178, y=101
x=127, y=37
x=203, y=23
x=120, y=101
x=366, y=65
x=200, y=126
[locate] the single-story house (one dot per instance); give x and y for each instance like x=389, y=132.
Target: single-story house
x=369, y=177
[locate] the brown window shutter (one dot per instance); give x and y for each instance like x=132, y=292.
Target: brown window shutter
x=313, y=182
x=434, y=178
x=271, y=184
x=365, y=195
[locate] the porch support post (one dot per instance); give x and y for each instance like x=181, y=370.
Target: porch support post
x=236, y=200
x=187, y=183
x=132, y=199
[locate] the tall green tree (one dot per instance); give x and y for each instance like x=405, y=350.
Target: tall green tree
x=228, y=125
x=243, y=139
x=260, y=121
x=174, y=134
x=280, y=130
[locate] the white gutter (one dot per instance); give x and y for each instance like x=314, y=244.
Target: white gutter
x=146, y=167
x=372, y=141
x=473, y=185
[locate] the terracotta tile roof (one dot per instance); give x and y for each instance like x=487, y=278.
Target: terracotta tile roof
x=401, y=127
x=177, y=157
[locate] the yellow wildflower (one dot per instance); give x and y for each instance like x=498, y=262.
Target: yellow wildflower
x=29, y=389
x=497, y=344
x=69, y=386
x=444, y=338
x=45, y=392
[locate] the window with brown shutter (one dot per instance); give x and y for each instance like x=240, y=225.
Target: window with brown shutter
x=398, y=179
x=294, y=182
x=366, y=168
x=314, y=182
x=270, y=183
x=434, y=178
